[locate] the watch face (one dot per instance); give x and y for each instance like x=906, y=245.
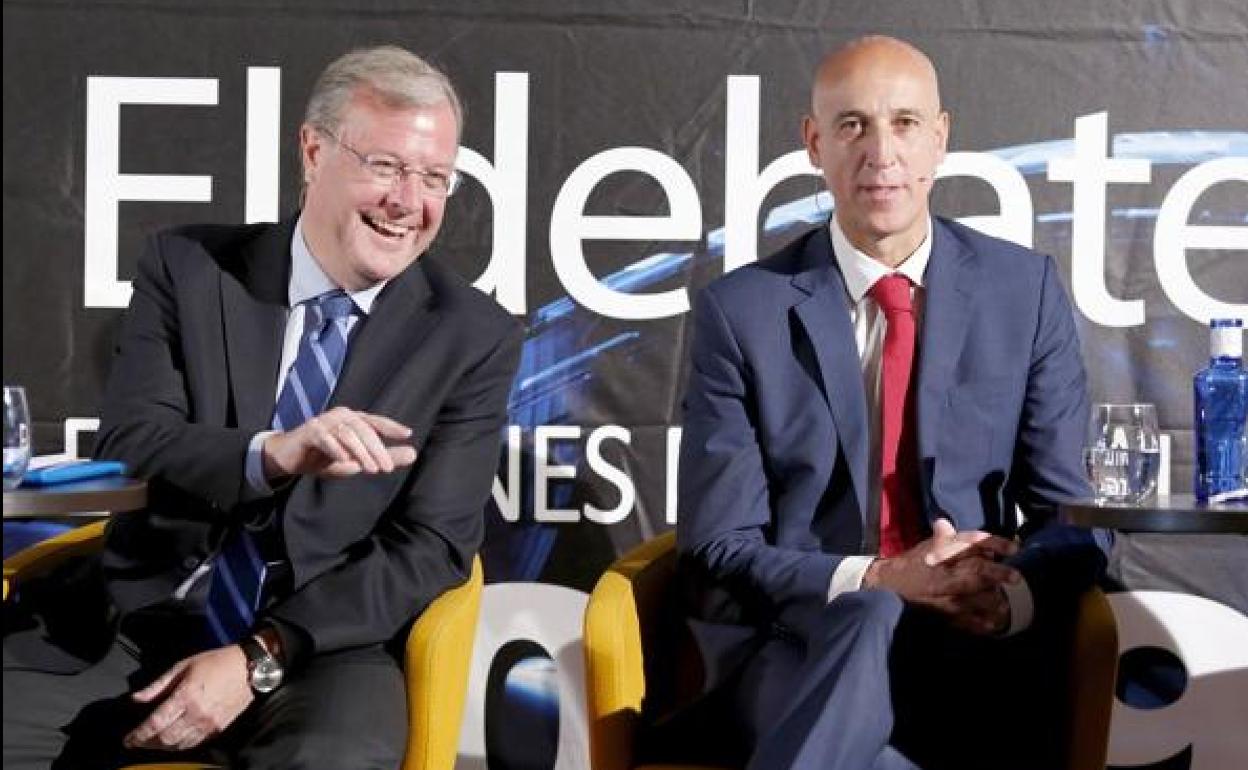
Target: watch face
x=266, y=675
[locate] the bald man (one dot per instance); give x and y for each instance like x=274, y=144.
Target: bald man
x=866, y=410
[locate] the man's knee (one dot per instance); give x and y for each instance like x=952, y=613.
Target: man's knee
x=873, y=606
x=871, y=613
x=368, y=750
x=348, y=709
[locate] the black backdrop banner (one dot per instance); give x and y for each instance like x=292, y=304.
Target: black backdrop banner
x=619, y=155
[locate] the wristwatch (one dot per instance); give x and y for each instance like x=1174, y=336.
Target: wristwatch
x=264, y=672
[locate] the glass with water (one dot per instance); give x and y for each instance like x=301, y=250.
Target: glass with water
x=16, y=436
x=1122, y=454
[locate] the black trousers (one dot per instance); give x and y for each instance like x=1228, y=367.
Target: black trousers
x=67, y=702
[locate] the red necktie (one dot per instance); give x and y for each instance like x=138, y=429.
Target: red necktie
x=899, y=505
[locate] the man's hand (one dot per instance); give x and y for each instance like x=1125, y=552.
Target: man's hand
x=954, y=573
x=338, y=443
x=199, y=697
x=986, y=612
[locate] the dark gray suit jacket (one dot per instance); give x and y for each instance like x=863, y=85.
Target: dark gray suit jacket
x=194, y=379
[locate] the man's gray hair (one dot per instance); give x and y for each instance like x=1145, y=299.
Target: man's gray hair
x=400, y=78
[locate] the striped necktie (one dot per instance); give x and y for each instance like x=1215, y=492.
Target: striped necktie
x=321, y=351
x=239, y=570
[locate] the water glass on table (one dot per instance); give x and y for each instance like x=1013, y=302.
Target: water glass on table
x=16, y=436
x=1122, y=454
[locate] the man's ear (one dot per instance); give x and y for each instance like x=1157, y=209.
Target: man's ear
x=942, y=131
x=311, y=150
x=810, y=138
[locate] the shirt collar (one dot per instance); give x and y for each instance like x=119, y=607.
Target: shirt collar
x=308, y=280
x=861, y=271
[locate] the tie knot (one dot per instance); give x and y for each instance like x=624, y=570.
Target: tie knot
x=332, y=305
x=892, y=294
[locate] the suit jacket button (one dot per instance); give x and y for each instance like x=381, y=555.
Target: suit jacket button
x=190, y=562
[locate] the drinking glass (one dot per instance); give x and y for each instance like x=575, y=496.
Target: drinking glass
x=1123, y=452
x=16, y=435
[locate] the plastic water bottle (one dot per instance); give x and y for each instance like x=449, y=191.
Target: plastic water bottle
x=1221, y=419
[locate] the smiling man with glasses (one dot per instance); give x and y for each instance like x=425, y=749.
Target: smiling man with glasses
x=316, y=406
x=363, y=217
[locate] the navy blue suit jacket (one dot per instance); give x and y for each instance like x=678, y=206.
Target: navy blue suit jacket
x=774, y=457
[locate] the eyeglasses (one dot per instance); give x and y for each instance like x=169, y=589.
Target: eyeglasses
x=385, y=170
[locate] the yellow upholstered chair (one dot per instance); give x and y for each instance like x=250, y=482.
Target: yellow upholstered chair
x=1093, y=677
x=435, y=661
x=36, y=559
x=628, y=614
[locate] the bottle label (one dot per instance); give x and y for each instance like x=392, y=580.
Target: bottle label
x=1226, y=342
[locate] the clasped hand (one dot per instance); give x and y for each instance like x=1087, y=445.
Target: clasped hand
x=339, y=443
x=958, y=574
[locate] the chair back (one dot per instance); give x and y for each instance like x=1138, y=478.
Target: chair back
x=44, y=556
x=436, y=661
x=640, y=659
x=1093, y=672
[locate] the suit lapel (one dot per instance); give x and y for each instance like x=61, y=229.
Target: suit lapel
x=947, y=309
x=824, y=313
x=254, y=310
x=402, y=317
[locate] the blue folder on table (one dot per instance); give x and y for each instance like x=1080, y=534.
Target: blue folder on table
x=72, y=470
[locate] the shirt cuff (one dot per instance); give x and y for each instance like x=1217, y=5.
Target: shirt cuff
x=848, y=575
x=1022, y=608
x=253, y=469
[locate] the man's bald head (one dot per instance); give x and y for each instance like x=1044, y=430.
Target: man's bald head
x=874, y=52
